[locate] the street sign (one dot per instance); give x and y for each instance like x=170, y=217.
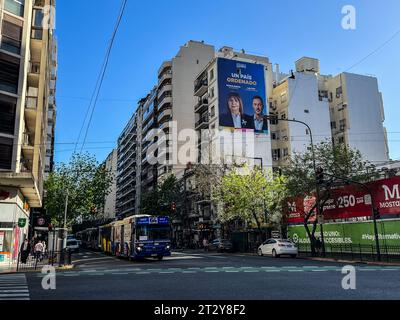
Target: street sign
x=21, y=222
x=275, y=234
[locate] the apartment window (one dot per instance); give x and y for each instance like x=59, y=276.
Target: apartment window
x=276, y=154
x=341, y=140
x=342, y=124
x=283, y=97
x=306, y=111
x=7, y=114
x=9, y=73
x=211, y=74
x=333, y=124
x=6, y=146
x=338, y=92
x=285, y=152
x=212, y=93
x=15, y=7
x=275, y=135
x=212, y=113
x=37, y=18
x=11, y=37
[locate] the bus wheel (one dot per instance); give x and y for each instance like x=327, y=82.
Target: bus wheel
x=160, y=258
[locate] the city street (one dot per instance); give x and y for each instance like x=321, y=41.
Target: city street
x=199, y=275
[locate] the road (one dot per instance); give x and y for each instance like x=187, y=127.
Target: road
x=199, y=275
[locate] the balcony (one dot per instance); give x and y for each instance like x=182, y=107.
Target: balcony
x=165, y=66
x=164, y=89
x=201, y=106
x=165, y=115
x=27, y=146
x=165, y=102
x=165, y=79
x=200, y=87
x=202, y=123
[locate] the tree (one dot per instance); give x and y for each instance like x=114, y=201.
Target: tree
x=251, y=195
x=336, y=161
x=160, y=200
x=87, y=183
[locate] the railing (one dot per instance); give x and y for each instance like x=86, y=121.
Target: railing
x=200, y=83
x=203, y=119
x=359, y=252
x=37, y=260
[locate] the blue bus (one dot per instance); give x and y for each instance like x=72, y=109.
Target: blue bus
x=141, y=236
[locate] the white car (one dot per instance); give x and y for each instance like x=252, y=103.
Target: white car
x=278, y=247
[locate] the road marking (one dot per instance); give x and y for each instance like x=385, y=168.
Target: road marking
x=189, y=272
x=14, y=287
x=249, y=271
x=270, y=270
x=141, y=272
x=119, y=273
x=320, y=270
x=295, y=270
x=166, y=272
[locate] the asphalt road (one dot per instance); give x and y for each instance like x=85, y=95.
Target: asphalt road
x=199, y=275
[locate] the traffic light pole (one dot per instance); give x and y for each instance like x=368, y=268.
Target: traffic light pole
x=317, y=200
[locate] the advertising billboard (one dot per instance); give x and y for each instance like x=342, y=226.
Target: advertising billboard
x=242, y=97
x=353, y=201
x=351, y=233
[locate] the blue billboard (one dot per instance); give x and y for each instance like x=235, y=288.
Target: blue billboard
x=152, y=220
x=242, y=97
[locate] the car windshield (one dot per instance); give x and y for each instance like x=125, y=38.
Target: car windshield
x=152, y=232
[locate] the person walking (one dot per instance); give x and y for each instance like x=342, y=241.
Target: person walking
x=39, y=250
x=318, y=246
x=205, y=244
x=25, y=250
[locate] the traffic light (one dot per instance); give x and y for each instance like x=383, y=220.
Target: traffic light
x=319, y=175
x=173, y=206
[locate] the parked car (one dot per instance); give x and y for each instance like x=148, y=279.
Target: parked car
x=221, y=245
x=73, y=245
x=278, y=247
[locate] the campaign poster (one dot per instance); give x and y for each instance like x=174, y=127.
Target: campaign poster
x=242, y=96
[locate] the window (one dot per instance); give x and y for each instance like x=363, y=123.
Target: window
x=275, y=135
x=11, y=37
x=212, y=93
x=306, y=111
x=276, y=154
x=338, y=92
x=211, y=74
x=333, y=124
x=283, y=97
x=342, y=124
x=6, y=146
x=7, y=114
x=9, y=73
x=37, y=18
x=341, y=140
x=212, y=111
x=285, y=152
x=15, y=7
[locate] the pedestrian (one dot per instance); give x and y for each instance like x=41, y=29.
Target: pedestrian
x=44, y=249
x=25, y=250
x=39, y=250
x=205, y=244
x=318, y=245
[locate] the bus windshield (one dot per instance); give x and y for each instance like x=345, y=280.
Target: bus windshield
x=152, y=232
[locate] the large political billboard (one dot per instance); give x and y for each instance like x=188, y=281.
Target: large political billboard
x=242, y=97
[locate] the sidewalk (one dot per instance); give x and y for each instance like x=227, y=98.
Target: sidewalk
x=8, y=269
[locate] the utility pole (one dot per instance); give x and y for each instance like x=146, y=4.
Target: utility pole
x=317, y=200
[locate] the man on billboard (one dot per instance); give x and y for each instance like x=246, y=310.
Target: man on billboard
x=258, y=121
x=234, y=115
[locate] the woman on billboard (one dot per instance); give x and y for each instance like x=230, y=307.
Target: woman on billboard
x=234, y=117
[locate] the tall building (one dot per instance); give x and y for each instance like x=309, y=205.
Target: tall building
x=109, y=210
x=170, y=101
x=357, y=115
x=27, y=87
x=230, y=79
x=301, y=96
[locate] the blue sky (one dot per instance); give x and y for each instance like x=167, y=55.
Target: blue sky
x=152, y=31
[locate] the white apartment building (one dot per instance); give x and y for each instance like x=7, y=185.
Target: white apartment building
x=28, y=60
x=357, y=115
x=300, y=96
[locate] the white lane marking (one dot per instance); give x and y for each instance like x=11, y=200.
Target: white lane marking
x=189, y=272
x=119, y=273
x=16, y=291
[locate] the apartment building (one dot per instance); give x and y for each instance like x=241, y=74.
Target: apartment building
x=27, y=87
x=301, y=96
x=357, y=115
x=231, y=79
x=109, y=210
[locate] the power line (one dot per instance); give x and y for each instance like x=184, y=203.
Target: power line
x=103, y=72
x=374, y=51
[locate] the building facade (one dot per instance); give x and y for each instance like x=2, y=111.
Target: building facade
x=28, y=61
x=109, y=210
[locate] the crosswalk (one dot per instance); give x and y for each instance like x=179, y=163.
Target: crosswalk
x=14, y=287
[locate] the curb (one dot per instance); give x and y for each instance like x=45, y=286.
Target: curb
x=352, y=261
x=68, y=267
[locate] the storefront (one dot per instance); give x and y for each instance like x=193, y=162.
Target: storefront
x=12, y=210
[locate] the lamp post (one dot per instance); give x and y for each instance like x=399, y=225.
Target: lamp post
x=269, y=117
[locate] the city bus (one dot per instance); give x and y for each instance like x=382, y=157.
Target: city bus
x=105, y=238
x=141, y=236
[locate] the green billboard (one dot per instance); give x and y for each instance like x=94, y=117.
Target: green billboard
x=351, y=233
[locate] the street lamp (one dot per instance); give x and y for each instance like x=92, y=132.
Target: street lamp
x=275, y=117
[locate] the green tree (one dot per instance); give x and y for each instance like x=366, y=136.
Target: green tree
x=159, y=200
x=336, y=161
x=251, y=195
x=87, y=183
